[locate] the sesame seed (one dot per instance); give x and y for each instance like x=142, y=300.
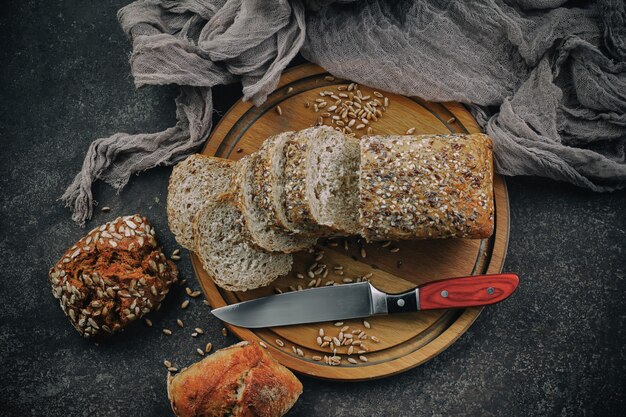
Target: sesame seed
x=410, y=131
x=179, y=322
x=200, y=352
x=338, y=324
x=353, y=361
x=199, y=330
x=175, y=258
x=172, y=369
x=167, y=363
x=105, y=209
x=279, y=110
x=366, y=324
x=185, y=304
x=148, y=322
x=363, y=358
x=209, y=347
x=167, y=332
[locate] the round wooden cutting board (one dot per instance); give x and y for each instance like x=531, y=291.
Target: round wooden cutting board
x=400, y=341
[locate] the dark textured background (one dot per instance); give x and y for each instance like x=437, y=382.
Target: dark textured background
x=555, y=348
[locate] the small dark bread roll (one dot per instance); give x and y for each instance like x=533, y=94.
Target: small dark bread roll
x=242, y=380
x=112, y=277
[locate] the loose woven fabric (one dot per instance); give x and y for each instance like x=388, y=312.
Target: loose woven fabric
x=546, y=82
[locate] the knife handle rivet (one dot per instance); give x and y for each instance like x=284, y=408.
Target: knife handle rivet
x=444, y=294
x=400, y=302
x=490, y=290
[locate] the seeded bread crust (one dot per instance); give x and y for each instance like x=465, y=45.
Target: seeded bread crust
x=426, y=187
x=192, y=182
x=222, y=244
x=297, y=205
x=239, y=381
x=258, y=221
x=111, y=277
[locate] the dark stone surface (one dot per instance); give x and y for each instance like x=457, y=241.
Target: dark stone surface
x=555, y=348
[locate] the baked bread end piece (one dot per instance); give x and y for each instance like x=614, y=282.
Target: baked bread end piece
x=240, y=380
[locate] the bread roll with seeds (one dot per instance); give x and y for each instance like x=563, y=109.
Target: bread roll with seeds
x=425, y=187
x=240, y=380
x=296, y=202
x=222, y=243
x=332, y=181
x=254, y=199
x=111, y=277
x=193, y=181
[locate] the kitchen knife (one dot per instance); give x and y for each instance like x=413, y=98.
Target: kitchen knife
x=362, y=299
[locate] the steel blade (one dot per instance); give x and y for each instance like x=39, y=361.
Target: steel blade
x=306, y=306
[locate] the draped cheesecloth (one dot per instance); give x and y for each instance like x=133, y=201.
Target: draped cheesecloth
x=546, y=79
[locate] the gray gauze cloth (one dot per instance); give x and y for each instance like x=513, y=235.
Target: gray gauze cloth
x=545, y=79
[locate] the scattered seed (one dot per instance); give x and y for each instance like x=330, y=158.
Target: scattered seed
x=199, y=330
x=195, y=294
x=167, y=332
x=172, y=369
x=350, y=350
x=224, y=332
x=329, y=78
x=367, y=324
x=307, y=104
x=239, y=150
x=200, y=352
x=167, y=363
x=363, y=358
x=410, y=131
x=280, y=343
x=279, y=110
x=263, y=345
x=352, y=361
x=385, y=244
x=209, y=347
x=175, y=258
x=338, y=324
x=347, y=281
x=176, y=252
x=363, y=253
x=394, y=250
x=375, y=339
x=185, y=304
x=148, y=322
x=451, y=120
x=289, y=90
x=179, y=322
x=316, y=358
x=105, y=209
x=194, y=334
x=299, y=352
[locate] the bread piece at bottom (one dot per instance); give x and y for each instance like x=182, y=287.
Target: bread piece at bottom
x=425, y=187
x=193, y=181
x=240, y=380
x=222, y=244
x=257, y=220
x=332, y=181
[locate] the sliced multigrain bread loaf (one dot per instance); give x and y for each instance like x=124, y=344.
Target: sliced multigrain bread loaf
x=193, y=181
x=258, y=221
x=222, y=244
x=425, y=187
x=295, y=199
x=332, y=181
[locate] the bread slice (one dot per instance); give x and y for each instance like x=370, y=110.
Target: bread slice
x=193, y=181
x=297, y=207
x=258, y=221
x=426, y=187
x=222, y=244
x=332, y=181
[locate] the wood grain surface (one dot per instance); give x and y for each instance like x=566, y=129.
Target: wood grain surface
x=404, y=340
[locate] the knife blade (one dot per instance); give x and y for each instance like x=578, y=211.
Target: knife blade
x=362, y=299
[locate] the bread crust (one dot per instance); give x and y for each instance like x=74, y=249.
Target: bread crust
x=242, y=380
x=112, y=276
x=426, y=187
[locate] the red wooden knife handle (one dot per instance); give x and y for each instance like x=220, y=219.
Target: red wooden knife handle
x=471, y=291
